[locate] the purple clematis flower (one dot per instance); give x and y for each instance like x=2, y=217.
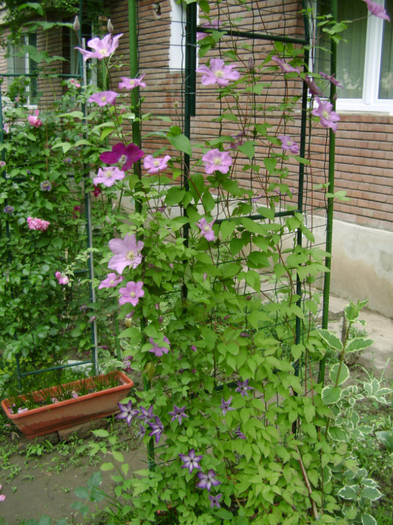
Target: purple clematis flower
x=9, y=209
x=288, y=144
x=157, y=429
x=218, y=73
x=242, y=387
x=225, y=405
x=127, y=412
x=103, y=48
x=111, y=281
x=239, y=433
x=153, y=165
x=377, y=10
x=327, y=117
x=122, y=154
x=178, y=413
x=131, y=83
x=216, y=160
x=214, y=500
x=206, y=229
x=131, y=293
x=127, y=253
x=103, y=98
x=158, y=351
x=108, y=176
x=146, y=415
x=190, y=460
x=207, y=481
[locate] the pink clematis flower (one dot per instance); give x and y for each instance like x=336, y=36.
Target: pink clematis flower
x=2, y=496
x=108, y=176
x=103, y=48
x=37, y=224
x=127, y=253
x=62, y=278
x=132, y=83
x=377, y=10
x=153, y=165
x=288, y=144
x=216, y=160
x=131, y=293
x=34, y=120
x=111, y=281
x=312, y=86
x=158, y=351
x=206, y=229
x=327, y=117
x=218, y=73
x=285, y=68
x=122, y=154
x=104, y=98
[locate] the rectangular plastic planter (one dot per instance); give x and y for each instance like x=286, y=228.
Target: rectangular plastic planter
x=71, y=412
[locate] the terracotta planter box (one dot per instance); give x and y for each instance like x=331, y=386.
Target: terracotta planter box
x=64, y=414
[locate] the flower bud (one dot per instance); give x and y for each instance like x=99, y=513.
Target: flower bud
x=110, y=27
x=128, y=322
x=76, y=25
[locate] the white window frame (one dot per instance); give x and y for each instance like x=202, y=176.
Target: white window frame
x=369, y=102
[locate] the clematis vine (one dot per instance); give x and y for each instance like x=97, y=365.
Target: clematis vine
x=190, y=460
x=206, y=229
x=108, y=176
x=178, y=414
x=37, y=224
x=377, y=10
x=111, y=281
x=131, y=293
x=288, y=144
x=103, y=98
x=127, y=412
x=207, y=481
x=123, y=155
x=102, y=48
x=159, y=351
x=132, y=83
x=216, y=160
x=62, y=278
x=327, y=117
x=127, y=253
x=153, y=165
x=34, y=120
x=218, y=73
x=331, y=79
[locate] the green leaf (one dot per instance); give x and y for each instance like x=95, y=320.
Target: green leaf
x=332, y=340
x=367, y=519
x=82, y=493
x=358, y=343
x=106, y=466
x=118, y=456
x=181, y=143
x=102, y=433
x=226, y=229
x=371, y=493
x=73, y=114
x=174, y=196
x=248, y=148
x=339, y=373
x=348, y=493
x=331, y=394
x=258, y=260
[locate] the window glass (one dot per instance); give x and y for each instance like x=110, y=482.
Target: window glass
x=350, y=52
x=386, y=75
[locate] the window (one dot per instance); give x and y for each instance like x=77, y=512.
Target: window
x=364, y=60
x=19, y=63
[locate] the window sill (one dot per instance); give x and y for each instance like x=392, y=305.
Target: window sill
x=359, y=106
